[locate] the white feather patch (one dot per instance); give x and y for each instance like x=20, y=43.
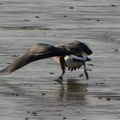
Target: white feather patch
x=72, y=64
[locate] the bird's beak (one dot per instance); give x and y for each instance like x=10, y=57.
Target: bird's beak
x=86, y=56
x=88, y=59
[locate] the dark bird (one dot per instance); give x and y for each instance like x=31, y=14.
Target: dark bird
x=72, y=55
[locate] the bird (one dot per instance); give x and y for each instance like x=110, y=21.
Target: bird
x=71, y=55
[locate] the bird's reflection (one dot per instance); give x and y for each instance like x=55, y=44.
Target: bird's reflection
x=73, y=90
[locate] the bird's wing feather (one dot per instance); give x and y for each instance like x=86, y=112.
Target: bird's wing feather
x=37, y=52
x=76, y=48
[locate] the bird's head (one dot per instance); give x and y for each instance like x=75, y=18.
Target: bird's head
x=83, y=48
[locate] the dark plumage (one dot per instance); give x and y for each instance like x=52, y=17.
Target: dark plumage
x=61, y=53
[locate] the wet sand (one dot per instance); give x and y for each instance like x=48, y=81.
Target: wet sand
x=31, y=92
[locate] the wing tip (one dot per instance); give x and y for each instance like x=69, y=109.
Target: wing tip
x=4, y=72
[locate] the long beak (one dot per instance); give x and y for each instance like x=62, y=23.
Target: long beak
x=80, y=58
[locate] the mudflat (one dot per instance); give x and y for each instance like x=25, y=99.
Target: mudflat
x=31, y=92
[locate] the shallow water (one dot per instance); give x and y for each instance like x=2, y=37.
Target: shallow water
x=31, y=92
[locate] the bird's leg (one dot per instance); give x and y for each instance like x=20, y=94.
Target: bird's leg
x=85, y=71
x=61, y=76
x=62, y=65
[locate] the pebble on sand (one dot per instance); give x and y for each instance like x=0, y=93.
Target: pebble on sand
x=116, y=50
x=113, y=5
x=71, y=7
x=64, y=15
x=43, y=94
x=108, y=99
x=81, y=75
x=37, y=16
x=51, y=73
x=64, y=118
x=26, y=20
x=34, y=113
x=26, y=118
x=99, y=97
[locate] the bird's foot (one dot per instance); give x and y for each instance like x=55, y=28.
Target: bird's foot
x=59, y=80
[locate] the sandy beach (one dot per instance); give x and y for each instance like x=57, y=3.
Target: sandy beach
x=31, y=92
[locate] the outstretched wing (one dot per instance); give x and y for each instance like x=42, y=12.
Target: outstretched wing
x=37, y=52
